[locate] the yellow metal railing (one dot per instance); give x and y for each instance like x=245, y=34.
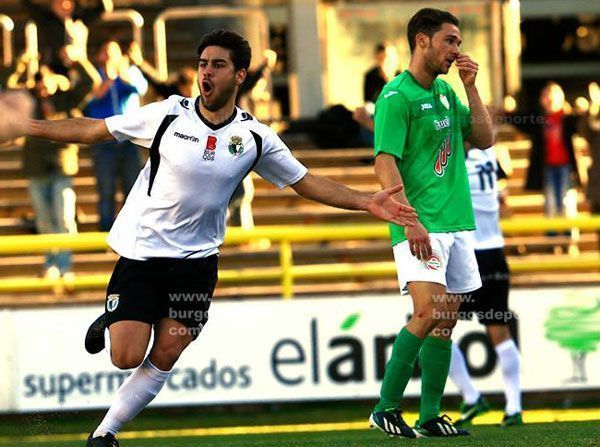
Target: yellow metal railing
x=287, y=272
x=132, y=17
x=257, y=16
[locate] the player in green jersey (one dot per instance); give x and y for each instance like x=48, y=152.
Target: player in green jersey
x=420, y=129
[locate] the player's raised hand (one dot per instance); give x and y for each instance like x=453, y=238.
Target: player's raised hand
x=467, y=69
x=384, y=206
x=135, y=54
x=78, y=34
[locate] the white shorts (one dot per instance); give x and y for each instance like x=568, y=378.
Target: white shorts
x=452, y=263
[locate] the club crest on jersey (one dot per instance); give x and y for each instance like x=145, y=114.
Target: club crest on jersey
x=112, y=302
x=236, y=146
x=211, y=147
x=442, y=158
x=444, y=101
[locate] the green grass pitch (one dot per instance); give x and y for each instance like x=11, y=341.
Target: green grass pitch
x=563, y=434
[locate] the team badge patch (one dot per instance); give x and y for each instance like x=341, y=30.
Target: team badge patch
x=444, y=101
x=236, y=146
x=112, y=302
x=211, y=147
x=433, y=262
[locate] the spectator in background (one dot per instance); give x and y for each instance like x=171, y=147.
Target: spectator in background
x=254, y=76
x=184, y=83
x=50, y=185
x=120, y=92
x=385, y=68
x=589, y=128
x=49, y=165
x=552, y=161
x=53, y=24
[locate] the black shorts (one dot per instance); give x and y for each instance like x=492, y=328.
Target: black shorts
x=148, y=291
x=489, y=303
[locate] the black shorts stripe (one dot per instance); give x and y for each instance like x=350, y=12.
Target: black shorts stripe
x=154, y=151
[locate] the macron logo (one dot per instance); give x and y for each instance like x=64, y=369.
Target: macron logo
x=388, y=94
x=191, y=138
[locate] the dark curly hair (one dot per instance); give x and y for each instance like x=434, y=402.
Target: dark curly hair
x=238, y=47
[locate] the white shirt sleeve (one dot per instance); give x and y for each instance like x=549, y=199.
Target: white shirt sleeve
x=277, y=164
x=139, y=125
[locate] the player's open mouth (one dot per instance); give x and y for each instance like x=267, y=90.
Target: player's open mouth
x=206, y=88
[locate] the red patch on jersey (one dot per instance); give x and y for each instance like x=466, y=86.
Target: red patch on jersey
x=211, y=143
x=442, y=159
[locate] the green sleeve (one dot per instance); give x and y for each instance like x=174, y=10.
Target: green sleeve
x=464, y=114
x=391, y=124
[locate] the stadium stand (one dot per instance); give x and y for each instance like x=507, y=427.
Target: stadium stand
x=273, y=207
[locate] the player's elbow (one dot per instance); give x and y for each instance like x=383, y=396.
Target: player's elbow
x=488, y=142
x=306, y=186
x=482, y=141
x=95, y=132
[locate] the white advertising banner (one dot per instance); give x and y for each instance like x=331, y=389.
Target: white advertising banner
x=276, y=350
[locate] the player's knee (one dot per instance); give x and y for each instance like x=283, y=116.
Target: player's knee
x=127, y=359
x=429, y=315
x=166, y=354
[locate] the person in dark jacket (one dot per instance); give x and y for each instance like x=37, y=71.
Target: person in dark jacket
x=182, y=85
x=48, y=165
x=552, y=164
x=386, y=66
x=52, y=23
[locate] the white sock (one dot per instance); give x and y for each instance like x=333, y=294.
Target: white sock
x=461, y=378
x=132, y=397
x=510, y=364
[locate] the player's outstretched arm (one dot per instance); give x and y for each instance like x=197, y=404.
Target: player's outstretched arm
x=16, y=108
x=73, y=130
x=382, y=205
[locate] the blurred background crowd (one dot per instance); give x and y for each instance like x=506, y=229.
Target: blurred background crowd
x=86, y=58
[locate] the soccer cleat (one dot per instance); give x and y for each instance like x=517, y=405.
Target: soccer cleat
x=513, y=420
x=469, y=412
x=439, y=427
x=108, y=440
x=94, y=337
x=391, y=423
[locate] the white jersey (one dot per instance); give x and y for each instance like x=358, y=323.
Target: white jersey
x=178, y=204
x=482, y=168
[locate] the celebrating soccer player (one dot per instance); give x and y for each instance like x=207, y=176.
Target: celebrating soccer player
x=420, y=129
x=170, y=228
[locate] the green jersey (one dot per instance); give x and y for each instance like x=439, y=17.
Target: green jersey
x=425, y=130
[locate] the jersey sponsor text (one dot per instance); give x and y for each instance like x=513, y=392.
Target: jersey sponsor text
x=191, y=138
